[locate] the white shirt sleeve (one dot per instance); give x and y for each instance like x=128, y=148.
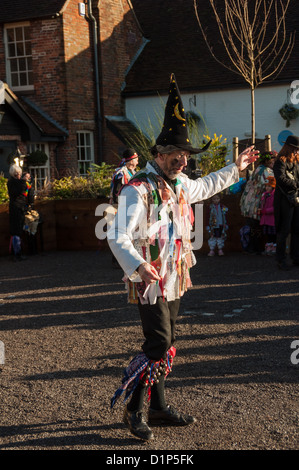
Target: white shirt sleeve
x=203, y=188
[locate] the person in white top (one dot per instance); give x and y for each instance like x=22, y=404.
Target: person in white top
x=150, y=238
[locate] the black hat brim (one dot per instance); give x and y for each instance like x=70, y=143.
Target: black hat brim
x=291, y=145
x=172, y=148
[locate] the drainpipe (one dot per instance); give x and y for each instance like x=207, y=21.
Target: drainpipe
x=92, y=19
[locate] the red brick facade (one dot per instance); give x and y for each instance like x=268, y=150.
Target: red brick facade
x=65, y=75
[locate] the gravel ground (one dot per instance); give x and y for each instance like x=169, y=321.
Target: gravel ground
x=68, y=333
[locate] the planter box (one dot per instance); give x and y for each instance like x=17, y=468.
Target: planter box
x=69, y=224
x=4, y=229
x=75, y=224
x=66, y=225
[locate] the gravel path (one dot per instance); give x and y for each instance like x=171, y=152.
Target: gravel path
x=68, y=333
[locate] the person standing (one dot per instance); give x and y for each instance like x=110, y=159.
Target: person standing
x=250, y=201
x=217, y=225
x=123, y=173
x=21, y=195
x=267, y=221
x=286, y=209
x=150, y=238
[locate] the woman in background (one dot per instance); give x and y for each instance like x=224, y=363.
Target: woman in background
x=286, y=212
x=20, y=197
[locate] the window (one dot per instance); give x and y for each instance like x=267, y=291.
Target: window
x=85, y=151
x=40, y=174
x=19, y=56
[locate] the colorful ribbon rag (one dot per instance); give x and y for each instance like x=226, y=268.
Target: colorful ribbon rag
x=136, y=371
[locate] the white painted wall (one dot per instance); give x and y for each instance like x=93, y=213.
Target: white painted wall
x=224, y=112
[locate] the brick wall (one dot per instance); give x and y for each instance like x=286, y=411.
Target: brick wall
x=120, y=40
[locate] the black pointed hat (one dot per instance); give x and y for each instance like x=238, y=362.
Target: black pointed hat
x=174, y=134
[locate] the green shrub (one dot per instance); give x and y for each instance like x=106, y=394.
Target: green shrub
x=96, y=184
x=3, y=190
x=214, y=158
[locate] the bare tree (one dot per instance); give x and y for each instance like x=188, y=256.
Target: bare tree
x=255, y=40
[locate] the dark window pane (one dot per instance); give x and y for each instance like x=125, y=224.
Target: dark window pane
x=29, y=63
x=27, y=33
x=10, y=35
x=30, y=78
x=14, y=65
x=23, y=79
x=14, y=79
x=81, y=141
x=19, y=34
x=22, y=64
x=20, y=48
x=11, y=50
x=28, y=48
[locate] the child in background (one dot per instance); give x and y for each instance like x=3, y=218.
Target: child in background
x=216, y=225
x=267, y=220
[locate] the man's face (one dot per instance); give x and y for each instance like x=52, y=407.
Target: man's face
x=173, y=163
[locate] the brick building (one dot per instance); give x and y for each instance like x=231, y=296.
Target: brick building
x=62, y=67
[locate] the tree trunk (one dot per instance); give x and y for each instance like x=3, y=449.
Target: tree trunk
x=252, y=116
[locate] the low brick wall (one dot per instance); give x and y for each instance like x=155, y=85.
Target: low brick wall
x=70, y=225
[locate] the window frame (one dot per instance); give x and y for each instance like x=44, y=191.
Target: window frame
x=37, y=179
x=8, y=59
x=88, y=148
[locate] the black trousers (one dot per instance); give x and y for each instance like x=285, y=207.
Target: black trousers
x=288, y=224
x=158, y=324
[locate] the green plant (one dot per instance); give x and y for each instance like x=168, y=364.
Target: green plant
x=95, y=184
x=36, y=158
x=3, y=190
x=289, y=112
x=214, y=158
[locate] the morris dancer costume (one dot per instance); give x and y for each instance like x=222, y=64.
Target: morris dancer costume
x=122, y=174
x=153, y=225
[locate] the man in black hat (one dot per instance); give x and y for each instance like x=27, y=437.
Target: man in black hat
x=150, y=238
x=286, y=201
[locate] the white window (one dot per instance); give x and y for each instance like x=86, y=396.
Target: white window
x=18, y=56
x=85, y=151
x=40, y=174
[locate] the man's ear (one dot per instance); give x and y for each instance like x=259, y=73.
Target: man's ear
x=161, y=157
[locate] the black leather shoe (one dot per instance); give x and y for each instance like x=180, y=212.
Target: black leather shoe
x=170, y=416
x=137, y=425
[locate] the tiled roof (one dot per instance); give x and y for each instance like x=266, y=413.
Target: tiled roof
x=19, y=10
x=47, y=125
x=43, y=123
x=176, y=45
